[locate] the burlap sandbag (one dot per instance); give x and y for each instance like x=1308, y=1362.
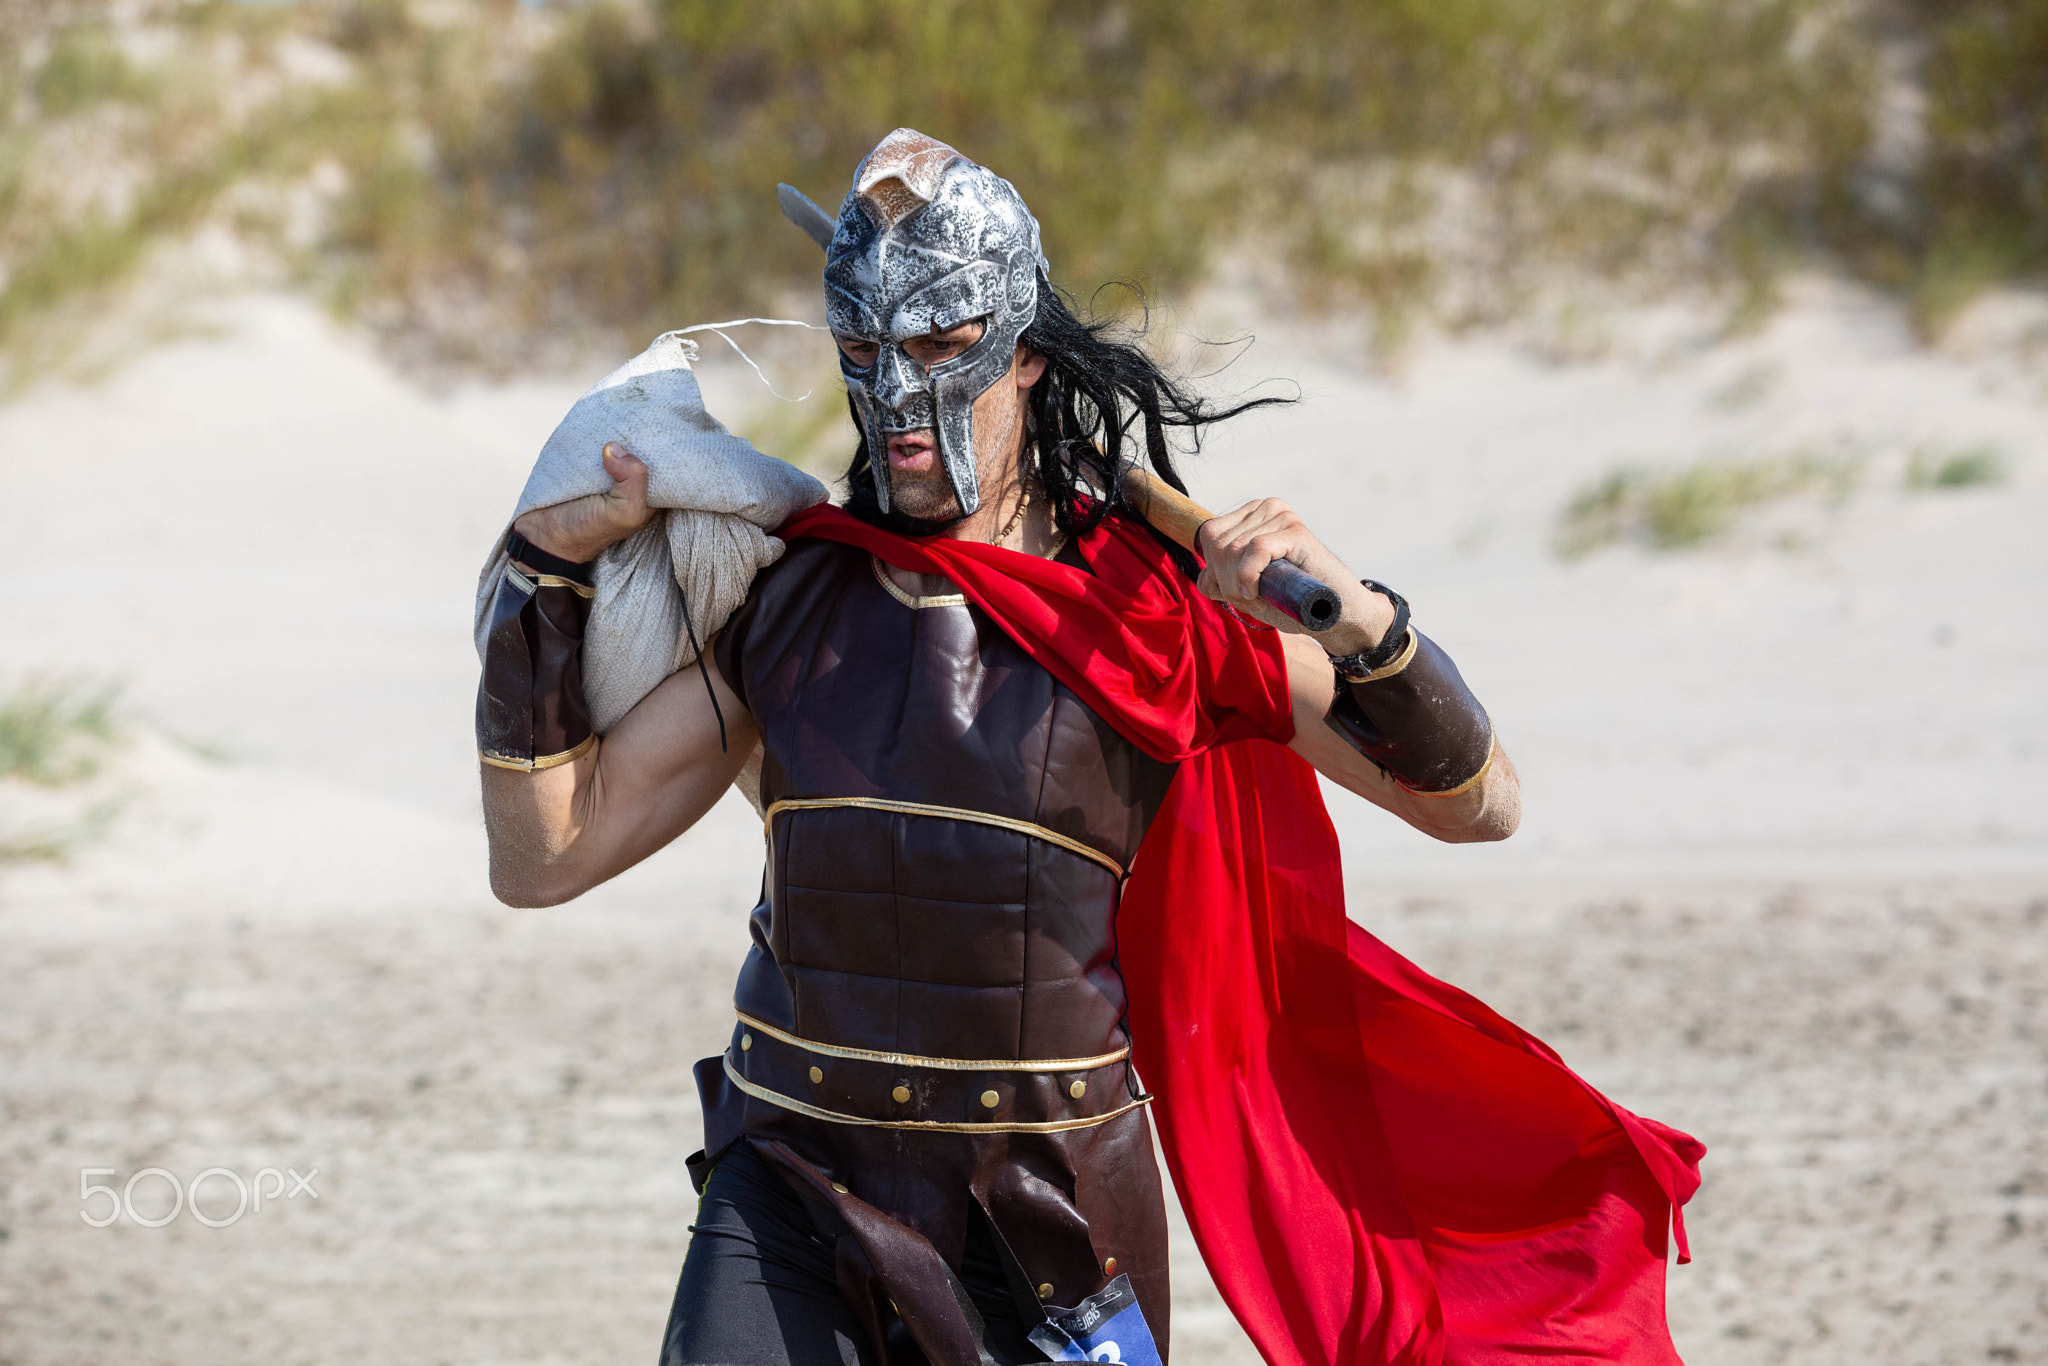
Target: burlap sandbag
x=721, y=496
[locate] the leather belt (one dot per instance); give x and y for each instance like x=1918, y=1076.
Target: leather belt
x=908, y=1091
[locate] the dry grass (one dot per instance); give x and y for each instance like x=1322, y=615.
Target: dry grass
x=495, y=180
x=1679, y=509
x=1386, y=156
x=1967, y=468
x=54, y=734
x=113, y=139
x=1980, y=214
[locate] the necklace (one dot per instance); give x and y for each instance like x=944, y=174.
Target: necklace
x=1015, y=517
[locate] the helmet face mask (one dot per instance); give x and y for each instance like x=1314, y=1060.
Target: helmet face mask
x=928, y=241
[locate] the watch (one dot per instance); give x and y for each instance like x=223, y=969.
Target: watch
x=1360, y=665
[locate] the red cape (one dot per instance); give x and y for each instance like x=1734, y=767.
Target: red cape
x=1378, y=1168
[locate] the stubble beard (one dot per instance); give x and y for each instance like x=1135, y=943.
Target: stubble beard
x=922, y=503
x=924, y=496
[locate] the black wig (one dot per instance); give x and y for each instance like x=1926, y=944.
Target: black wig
x=1096, y=388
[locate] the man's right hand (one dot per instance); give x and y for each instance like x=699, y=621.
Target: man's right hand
x=582, y=527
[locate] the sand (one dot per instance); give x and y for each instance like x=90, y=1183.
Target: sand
x=1783, y=880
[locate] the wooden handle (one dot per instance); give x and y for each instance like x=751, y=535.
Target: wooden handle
x=1179, y=518
x=1175, y=515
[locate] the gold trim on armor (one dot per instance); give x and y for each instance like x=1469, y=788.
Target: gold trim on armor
x=1049, y=1126
x=1492, y=748
x=581, y=590
x=908, y=600
x=1391, y=667
x=940, y=1064
x=567, y=756
x=530, y=584
x=953, y=813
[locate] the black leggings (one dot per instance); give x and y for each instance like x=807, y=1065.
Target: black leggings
x=759, y=1287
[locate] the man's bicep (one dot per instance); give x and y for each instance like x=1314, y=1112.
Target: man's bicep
x=664, y=766
x=675, y=731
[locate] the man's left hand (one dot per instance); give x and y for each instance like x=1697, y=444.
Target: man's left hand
x=1236, y=547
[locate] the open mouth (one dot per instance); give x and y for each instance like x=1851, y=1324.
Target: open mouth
x=913, y=452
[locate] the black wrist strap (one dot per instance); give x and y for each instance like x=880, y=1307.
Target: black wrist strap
x=532, y=556
x=1391, y=644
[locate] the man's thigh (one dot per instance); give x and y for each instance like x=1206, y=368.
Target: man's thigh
x=758, y=1286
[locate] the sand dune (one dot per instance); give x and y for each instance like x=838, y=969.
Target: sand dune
x=1783, y=880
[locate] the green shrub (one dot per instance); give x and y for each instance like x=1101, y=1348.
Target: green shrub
x=1677, y=509
x=622, y=176
x=55, y=733
x=1983, y=191
x=1959, y=469
x=524, y=176
x=84, y=69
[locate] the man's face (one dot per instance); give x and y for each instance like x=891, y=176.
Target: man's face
x=918, y=487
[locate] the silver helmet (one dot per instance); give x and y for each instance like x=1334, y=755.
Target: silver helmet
x=926, y=241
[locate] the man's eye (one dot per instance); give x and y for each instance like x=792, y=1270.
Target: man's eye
x=944, y=345
x=860, y=353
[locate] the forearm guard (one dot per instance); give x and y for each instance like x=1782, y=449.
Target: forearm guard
x=1418, y=721
x=530, y=711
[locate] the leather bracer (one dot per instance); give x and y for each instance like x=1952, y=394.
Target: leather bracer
x=1417, y=720
x=530, y=711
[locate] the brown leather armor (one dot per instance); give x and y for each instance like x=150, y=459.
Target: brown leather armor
x=931, y=1013
x=1417, y=720
x=530, y=711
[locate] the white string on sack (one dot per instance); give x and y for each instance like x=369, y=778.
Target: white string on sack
x=742, y=322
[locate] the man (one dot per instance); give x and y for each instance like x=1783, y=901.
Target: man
x=972, y=697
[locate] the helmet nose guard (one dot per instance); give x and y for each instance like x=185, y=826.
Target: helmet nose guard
x=926, y=241
x=899, y=383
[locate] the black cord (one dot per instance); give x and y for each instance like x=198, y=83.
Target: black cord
x=704, y=669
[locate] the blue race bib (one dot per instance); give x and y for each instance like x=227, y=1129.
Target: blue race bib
x=1108, y=1326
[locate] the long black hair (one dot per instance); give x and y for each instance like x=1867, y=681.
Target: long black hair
x=1098, y=385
